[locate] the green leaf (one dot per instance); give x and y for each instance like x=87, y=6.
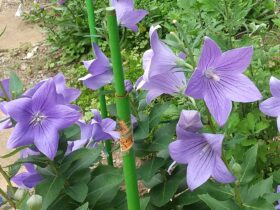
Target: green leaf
x=77, y=192
x=104, y=187
x=13, y=152
x=16, y=86
x=248, y=166
x=258, y=204
x=50, y=189
x=142, y=131
x=144, y=203
x=72, y=133
x=217, y=204
x=156, y=113
x=83, y=207
x=260, y=188
x=149, y=168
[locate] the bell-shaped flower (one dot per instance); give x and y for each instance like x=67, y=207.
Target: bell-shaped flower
x=100, y=70
x=201, y=152
x=65, y=95
x=219, y=79
x=127, y=16
x=6, y=85
x=39, y=119
x=97, y=130
x=6, y=122
x=271, y=106
x=28, y=179
x=162, y=74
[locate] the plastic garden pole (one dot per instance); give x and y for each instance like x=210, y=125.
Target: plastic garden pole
x=123, y=111
x=102, y=100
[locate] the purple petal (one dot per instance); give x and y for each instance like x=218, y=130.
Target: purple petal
x=235, y=60
x=189, y=121
x=46, y=139
x=274, y=86
x=182, y=55
x=30, y=168
x=28, y=152
x=22, y=135
x=32, y=180
x=147, y=57
x=221, y=173
x=45, y=97
x=200, y=168
x=122, y=6
x=215, y=141
x=153, y=94
x=6, y=124
x=96, y=82
x=195, y=87
x=182, y=151
x=239, y=88
x=86, y=130
x=210, y=52
x=75, y=145
x=19, y=109
x=96, y=116
x=218, y=105
x=278, y=123
x=32, y=91
x=271, y=107
x=19, y=178
x=131, y=18
x=61, y=116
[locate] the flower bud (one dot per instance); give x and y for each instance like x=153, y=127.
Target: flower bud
x=20, y=194
x=174, y=21
x=35, y=202
x=236, y=169
x=128, y=86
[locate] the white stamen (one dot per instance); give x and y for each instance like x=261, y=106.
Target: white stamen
x=37, y=118
x=211, y=74
x=171, y=167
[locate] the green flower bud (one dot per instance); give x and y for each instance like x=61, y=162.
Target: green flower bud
x=35, y=202
x=236, y=169
x=20, y=194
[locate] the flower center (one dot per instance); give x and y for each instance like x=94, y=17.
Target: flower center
x=211, y=74
x=37, y=118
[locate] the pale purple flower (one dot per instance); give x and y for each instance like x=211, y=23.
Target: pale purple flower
x=128, y=86
x=277, y=207
x=201, y=152
x=134, y=121
x=127, y=16
x=65, y=95
x=271, y=106
x=28, y=179
x=6, y=122
x=39, y=119
x=162, y=75
x=61, y=2
x=219, y=79
x=5, y=84
x=100, y=70
x=97, y=130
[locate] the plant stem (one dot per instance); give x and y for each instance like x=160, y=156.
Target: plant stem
x=6, y=177
x=4, y=91
x=12, y=204
x=123, y=111
x=237, y=193
x=210, y=121
x=227, y=19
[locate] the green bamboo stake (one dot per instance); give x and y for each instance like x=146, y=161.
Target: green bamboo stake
x=102, y=100
x=123, y=111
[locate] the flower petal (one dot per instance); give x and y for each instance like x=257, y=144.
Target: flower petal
x=239, y=88
x=215, y=141
x=19, y=109
x=235, y=60
x=22, y=135
x=86, y=130
x=131, y=18
x=271, y=107
x=219, y=106
x=189, y=121
x=182, y=151
x=274, y=86
x=195, y=87
x=200, y=168
x=96, y=82
x=19, y=178
x=210, y=53
x=32, y=180
x=147, y=57
x=122, y=6
x=278, y=123
x=221, y=173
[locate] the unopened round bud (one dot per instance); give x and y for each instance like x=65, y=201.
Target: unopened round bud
x=35, y=202
x=236, y=169
x=20, y=194
x=174, y=21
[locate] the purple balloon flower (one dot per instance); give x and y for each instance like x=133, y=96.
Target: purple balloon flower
x=5, y=84
x=6, y=122
x=127, y=16
x=201, y=152
x=271, y=106
x=128, y=86
x=100, y=70
x=161, y=72
x=61, y=2
x=65, y=95
x=219, y=79
x=28, y=179
x=277, y=207
x=39, y=119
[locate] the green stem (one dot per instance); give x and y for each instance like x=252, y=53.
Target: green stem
x=6, y=177
x=237, y=193
x=12, y=204
x=102, y=99
x=123, y=111
x=227, y=19
x=4, y=92
x=210, y=121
